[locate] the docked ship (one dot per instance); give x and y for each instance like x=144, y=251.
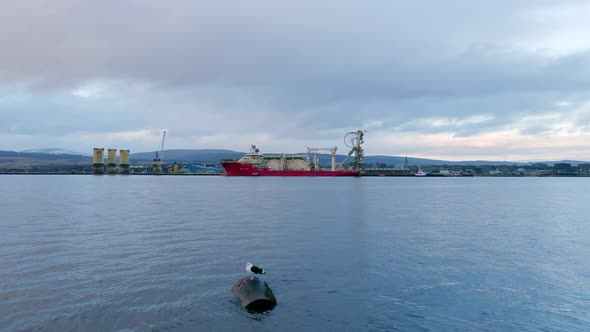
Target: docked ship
x=254, y=163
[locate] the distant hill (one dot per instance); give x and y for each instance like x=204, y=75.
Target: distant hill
x=393, y=160
x=12, y=159
x=42, y=156
x=188, y=155
x=57, y=152
x=215, y=155
x=15, y=160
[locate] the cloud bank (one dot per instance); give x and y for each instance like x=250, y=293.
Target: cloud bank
x=451, y=79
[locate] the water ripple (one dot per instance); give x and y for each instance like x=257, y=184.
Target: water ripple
x=162, y=253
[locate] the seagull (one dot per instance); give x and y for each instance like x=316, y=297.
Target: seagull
x=254, y=269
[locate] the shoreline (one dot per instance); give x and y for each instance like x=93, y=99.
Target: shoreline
x=362, y=175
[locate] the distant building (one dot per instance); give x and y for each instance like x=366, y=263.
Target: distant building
x=584, y=169
x=563, y=169
x=541, y=172
x=566, y=166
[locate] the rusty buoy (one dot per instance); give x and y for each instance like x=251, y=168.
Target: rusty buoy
x=254, y=294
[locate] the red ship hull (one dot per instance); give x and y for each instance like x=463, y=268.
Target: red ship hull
x=235, y=168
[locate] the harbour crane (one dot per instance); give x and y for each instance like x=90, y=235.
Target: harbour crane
x=332, y=150
x=160, y=158
x=162, y=151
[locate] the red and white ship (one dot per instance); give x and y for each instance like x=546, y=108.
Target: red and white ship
x=255, y=163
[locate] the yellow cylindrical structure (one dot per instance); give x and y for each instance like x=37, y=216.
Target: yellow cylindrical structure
x=124, y=157
x=98, y=160
x=112, y=157
x=98, y=156
x=156, y=166
x=124, y=161
x=112, y=161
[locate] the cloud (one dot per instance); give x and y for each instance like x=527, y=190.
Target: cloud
x=292, y=74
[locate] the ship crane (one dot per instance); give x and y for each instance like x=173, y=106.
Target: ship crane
x=332, y=150
x=354, y=140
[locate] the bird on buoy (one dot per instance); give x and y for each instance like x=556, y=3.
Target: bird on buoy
x=254, y=269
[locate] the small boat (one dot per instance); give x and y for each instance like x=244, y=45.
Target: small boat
x=420, y=172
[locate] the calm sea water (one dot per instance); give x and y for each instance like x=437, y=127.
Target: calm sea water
x=103, y=253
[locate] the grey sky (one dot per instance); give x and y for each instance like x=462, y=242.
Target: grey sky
x=450, y=79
